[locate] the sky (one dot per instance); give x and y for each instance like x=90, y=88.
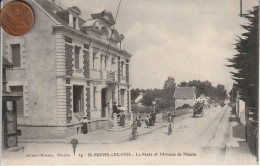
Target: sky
x=185, y=39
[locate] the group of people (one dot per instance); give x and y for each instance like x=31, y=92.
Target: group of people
x=119, y=114
x=150, y=119
x=199, y=106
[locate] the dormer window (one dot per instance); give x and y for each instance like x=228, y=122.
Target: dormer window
x=74, y=22
x=104, y=31
x=74, y=13
x=106, y=17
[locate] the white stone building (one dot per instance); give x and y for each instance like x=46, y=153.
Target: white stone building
x=64, y=70
x=184, y=95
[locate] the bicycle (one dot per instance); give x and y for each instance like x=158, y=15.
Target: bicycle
x=133, y=135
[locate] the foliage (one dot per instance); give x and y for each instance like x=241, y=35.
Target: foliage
x=169, y=88
x=164, y=97
x=185, y=106
x=135, y=93
x=217, y=93
x=233, y=93
x=165, y=103
x=246, y=60
x=141, y=109
x=148, y=98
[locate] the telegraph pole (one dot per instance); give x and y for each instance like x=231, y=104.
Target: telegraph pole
x=241, y=8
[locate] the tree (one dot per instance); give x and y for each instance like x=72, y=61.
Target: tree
x=148, y=98
x=163, y=96
x=246, y=60
x=220, y=92
x=135, y=93
x=205, y=87
x=233, y=93
x=183, y=84
x=169, y=87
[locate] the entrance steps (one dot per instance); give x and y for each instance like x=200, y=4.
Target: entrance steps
x=120, y=128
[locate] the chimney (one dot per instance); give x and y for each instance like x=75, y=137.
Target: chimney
x=121, y=41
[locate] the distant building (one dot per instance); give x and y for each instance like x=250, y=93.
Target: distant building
x=203, y=99
x=184, y=95
x=139, y=99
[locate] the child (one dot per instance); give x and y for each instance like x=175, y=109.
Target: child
x=138, y=119
x=147, y=121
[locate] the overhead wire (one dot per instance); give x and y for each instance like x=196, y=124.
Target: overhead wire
x=113, y=27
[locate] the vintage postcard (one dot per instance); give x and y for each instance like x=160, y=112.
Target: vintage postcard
x=129, y=82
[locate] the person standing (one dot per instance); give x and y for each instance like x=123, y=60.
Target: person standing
x=153, y=116
x=122, y=119
x=138, y=119
x=114, y=109
x=147, y=121
x=84, y=125
x=108, y=110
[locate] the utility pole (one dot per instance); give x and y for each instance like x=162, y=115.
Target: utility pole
x=241, y=8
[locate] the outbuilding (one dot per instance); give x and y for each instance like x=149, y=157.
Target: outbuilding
x=184, y=95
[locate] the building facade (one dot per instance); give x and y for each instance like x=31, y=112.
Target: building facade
x=65, y=70
x=184, y=95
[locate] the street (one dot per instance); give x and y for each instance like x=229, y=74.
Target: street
x=199, y=140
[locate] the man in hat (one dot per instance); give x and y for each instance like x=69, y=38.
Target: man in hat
x=114, y=109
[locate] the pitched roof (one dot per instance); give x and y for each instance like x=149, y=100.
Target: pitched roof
x=51, y=9
x=184, y=92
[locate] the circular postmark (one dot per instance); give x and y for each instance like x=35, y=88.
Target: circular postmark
x=17, y=18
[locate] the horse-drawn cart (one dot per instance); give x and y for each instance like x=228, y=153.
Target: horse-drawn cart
x=198, y=109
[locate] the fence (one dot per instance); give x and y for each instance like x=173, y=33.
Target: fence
x=252, y=130
x=252, y=137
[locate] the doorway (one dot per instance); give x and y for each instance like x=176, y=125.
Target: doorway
x=103, y=102
x=19, y=102
x=78, y=102
x=122, y=97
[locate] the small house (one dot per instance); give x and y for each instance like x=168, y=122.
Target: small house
x=184, y=95
x=203, y=99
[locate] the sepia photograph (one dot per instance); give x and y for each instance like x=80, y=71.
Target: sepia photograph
x=130, y=82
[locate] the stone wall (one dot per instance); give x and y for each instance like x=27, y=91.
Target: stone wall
x=48, y=132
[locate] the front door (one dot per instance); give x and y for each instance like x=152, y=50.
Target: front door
x=9, y=128
x=103, y=102
x=78, y=103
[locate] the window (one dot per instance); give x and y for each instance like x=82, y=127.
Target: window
x=101, y=62
x=68, y=40
x=94, y=96
x=74, y=22
x=122, y=69
x=104, y=31
x=94, y=57
x=16, y=56
x=122, y=96
x=19, y=102
x=86, y=46
x=78, y=104
x=76, y=52
x=105, y=62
